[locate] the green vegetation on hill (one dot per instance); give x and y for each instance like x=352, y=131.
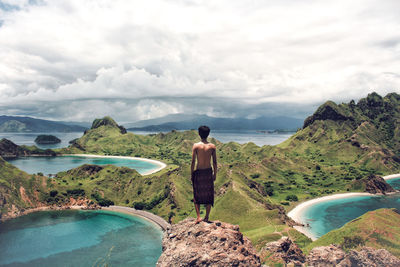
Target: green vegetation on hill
x=338, y=146
x=378, y=229
x=47, y=139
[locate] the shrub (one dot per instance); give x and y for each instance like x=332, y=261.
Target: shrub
x=139, y=205
x=256, y=175
x=53, y=193
x=352, y=242
x=292, y=198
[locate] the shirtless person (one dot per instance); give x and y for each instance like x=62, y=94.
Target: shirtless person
x=204, y=176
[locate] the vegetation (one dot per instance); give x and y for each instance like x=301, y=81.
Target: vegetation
x=378, y=229
x=338, y=146
x=47, y=139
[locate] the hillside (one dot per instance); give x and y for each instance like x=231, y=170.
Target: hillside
x=377, y=229
x=185, y=122
x=27, y=124
x=337, y=148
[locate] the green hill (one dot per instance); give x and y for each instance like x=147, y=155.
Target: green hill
x=378, y=229
x=338, y=146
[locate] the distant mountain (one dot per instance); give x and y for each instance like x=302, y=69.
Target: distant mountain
x=28, y=124
x=193, y=121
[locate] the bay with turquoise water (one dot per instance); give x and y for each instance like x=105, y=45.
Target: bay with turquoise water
x=79, y=238
x=53, y=165
x=328, y=215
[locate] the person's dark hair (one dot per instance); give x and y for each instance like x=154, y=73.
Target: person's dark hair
x=204, y=131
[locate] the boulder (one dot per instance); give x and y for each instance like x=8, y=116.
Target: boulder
x=284, y=251
x=375, y=184
x=370, y=257
x=327, y=256
x=206, y=244
x=365, y=257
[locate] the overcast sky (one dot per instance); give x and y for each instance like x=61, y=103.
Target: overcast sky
x=80, y=59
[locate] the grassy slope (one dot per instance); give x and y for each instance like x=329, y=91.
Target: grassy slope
x=379, y=229
x=12, y=181
x=326, y=157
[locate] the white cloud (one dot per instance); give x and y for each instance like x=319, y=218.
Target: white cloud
x=169, y=56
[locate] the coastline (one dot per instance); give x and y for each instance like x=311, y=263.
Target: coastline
x=155, y=219
x=297, y=212
x=161, y=165
x=159, y=221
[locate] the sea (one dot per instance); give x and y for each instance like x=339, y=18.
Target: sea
x=79, y=238
x=260, y=138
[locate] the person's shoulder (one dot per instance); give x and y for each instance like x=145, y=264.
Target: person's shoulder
x=196, y=144
x=212, y=146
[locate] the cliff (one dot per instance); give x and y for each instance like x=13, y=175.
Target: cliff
x=8, y=149
x=206, y=244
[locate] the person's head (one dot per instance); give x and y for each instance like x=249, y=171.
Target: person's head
x=204, y=131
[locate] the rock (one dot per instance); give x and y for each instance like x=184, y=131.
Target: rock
x=325, y=256
x=107, y=121
x=328, y=111
x=47, y=139
x=284, y=251
x=366, y=257
x=10, y=150
x=375, y=184
x=206, y=244
x=370, y=257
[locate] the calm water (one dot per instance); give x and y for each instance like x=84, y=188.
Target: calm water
x=79, y=238
x=29, y=139
x=53, y=165
x=240, y=137
x=332, y=214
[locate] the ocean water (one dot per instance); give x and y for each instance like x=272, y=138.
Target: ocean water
x=79, y=238
x=29, y=139
x=332, y=214
x=225, y=136
x=53, y=165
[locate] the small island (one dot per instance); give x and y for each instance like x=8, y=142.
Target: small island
x=47, y=139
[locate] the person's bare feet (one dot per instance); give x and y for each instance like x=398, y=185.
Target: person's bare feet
x=198, y=220
x=206, y=220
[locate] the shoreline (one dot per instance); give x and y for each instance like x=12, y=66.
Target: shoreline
x=155, y=219
x=161, y=165
x=297, y=212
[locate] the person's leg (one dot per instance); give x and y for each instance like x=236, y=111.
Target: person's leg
x=208, y=208
x=197, y=207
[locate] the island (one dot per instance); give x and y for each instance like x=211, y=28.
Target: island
x=44, y=139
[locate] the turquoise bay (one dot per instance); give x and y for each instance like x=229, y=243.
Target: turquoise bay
x=79, y=238
x=325, y=216
x=53, y=165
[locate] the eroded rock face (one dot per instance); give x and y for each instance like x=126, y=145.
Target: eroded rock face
x=366, y=257
x=370, y=257
x=284, y=251
x=325, y=256
x=375, y=184
x=206, y=244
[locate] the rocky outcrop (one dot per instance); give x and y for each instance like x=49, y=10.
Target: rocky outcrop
x=366, y=257
x=47, y=139
x=206, y=244
x=107, y=121
x=375, y=184
x=328, y=111
x=283, y=251
x=8, y=149
x=85, y=170
x=370, y=257
x=325, y=256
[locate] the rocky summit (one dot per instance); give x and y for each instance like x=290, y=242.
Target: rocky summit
x=206, y=244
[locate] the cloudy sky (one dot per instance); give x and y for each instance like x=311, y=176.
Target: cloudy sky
x=80, y=59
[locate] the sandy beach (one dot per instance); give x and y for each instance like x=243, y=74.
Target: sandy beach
x=296, y=213
x=141, y=213
x=161, y=165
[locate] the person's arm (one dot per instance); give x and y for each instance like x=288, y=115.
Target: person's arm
x=194, y=151
x=214, y=158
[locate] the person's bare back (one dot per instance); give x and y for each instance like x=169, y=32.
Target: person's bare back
x=203, y=152
x=204, y=176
